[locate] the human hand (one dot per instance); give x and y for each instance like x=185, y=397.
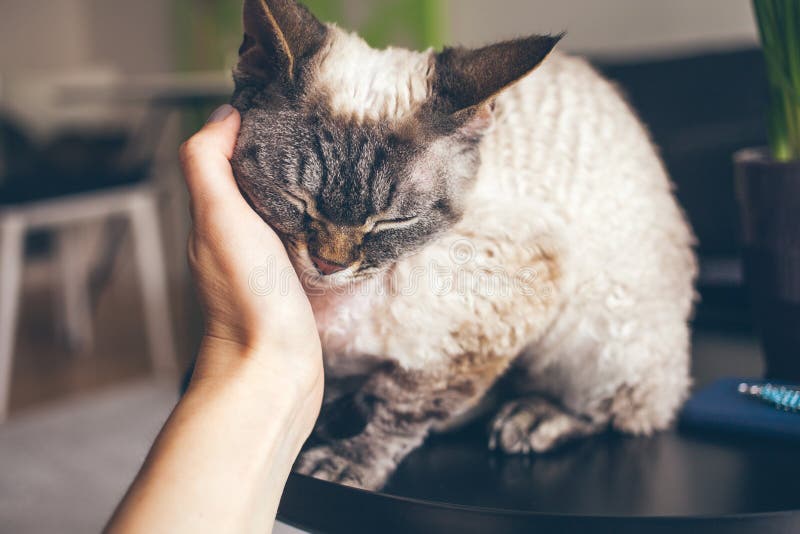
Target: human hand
x=273, y=332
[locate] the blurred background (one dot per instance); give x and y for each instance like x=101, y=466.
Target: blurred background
x=97, y=314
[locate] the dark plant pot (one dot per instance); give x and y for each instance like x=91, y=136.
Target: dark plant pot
x=769, y=201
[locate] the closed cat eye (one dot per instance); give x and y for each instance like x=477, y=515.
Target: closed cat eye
x=393, y=224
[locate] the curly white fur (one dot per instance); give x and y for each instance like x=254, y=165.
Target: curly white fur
x=371, y=84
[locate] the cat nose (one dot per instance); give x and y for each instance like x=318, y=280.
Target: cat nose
x=325, y=267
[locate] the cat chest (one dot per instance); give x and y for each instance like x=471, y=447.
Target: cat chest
x=347, y=329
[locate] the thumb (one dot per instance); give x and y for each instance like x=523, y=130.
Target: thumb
x=205, y=160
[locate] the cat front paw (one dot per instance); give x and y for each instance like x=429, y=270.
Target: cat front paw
x=326, y=463
x=323, y=463
x=535, y=425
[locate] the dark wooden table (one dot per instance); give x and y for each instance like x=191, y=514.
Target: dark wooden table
x=677, y=481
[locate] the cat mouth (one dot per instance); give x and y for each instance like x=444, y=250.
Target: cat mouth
x=312, y=277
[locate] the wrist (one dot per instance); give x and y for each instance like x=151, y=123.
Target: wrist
x=266, y=384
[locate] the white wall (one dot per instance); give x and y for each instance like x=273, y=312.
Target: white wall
x=136, y=35
x=610, y=28
x=47, y=43
x=43, y=35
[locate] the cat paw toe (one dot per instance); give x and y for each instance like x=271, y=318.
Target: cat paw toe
x=534, y=425
x=324, y=463
x=513, y=425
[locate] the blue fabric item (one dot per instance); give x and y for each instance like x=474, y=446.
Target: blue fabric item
x=720, y=406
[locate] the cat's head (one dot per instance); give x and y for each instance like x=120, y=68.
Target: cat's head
x=357, y=156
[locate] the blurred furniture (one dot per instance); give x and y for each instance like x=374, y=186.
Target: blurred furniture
x=167, y=91
x=138, y=204
x=674, y=482
x=700, y=109
x=57, y=186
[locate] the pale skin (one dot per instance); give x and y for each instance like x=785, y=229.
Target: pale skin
x=223, y=457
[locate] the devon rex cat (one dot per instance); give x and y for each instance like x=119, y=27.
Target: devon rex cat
x=463, y=216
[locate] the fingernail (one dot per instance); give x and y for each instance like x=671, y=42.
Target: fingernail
x=220, y=114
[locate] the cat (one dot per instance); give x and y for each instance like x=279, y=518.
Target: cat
x=462, y=216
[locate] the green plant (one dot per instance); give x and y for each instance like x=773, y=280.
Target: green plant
x=207, y=33
x=418, y=23
x=779, y=24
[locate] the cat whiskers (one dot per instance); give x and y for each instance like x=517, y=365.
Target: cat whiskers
x=365, y=273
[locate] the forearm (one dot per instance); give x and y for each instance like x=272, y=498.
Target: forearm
x=222, y=459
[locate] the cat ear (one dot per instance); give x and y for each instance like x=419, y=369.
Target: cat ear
x=466, y=81
x=278, y=35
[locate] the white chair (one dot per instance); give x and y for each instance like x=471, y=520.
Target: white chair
x=65, y=217
x=139, y=204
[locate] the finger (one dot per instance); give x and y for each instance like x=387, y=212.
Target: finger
x=205, y=160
